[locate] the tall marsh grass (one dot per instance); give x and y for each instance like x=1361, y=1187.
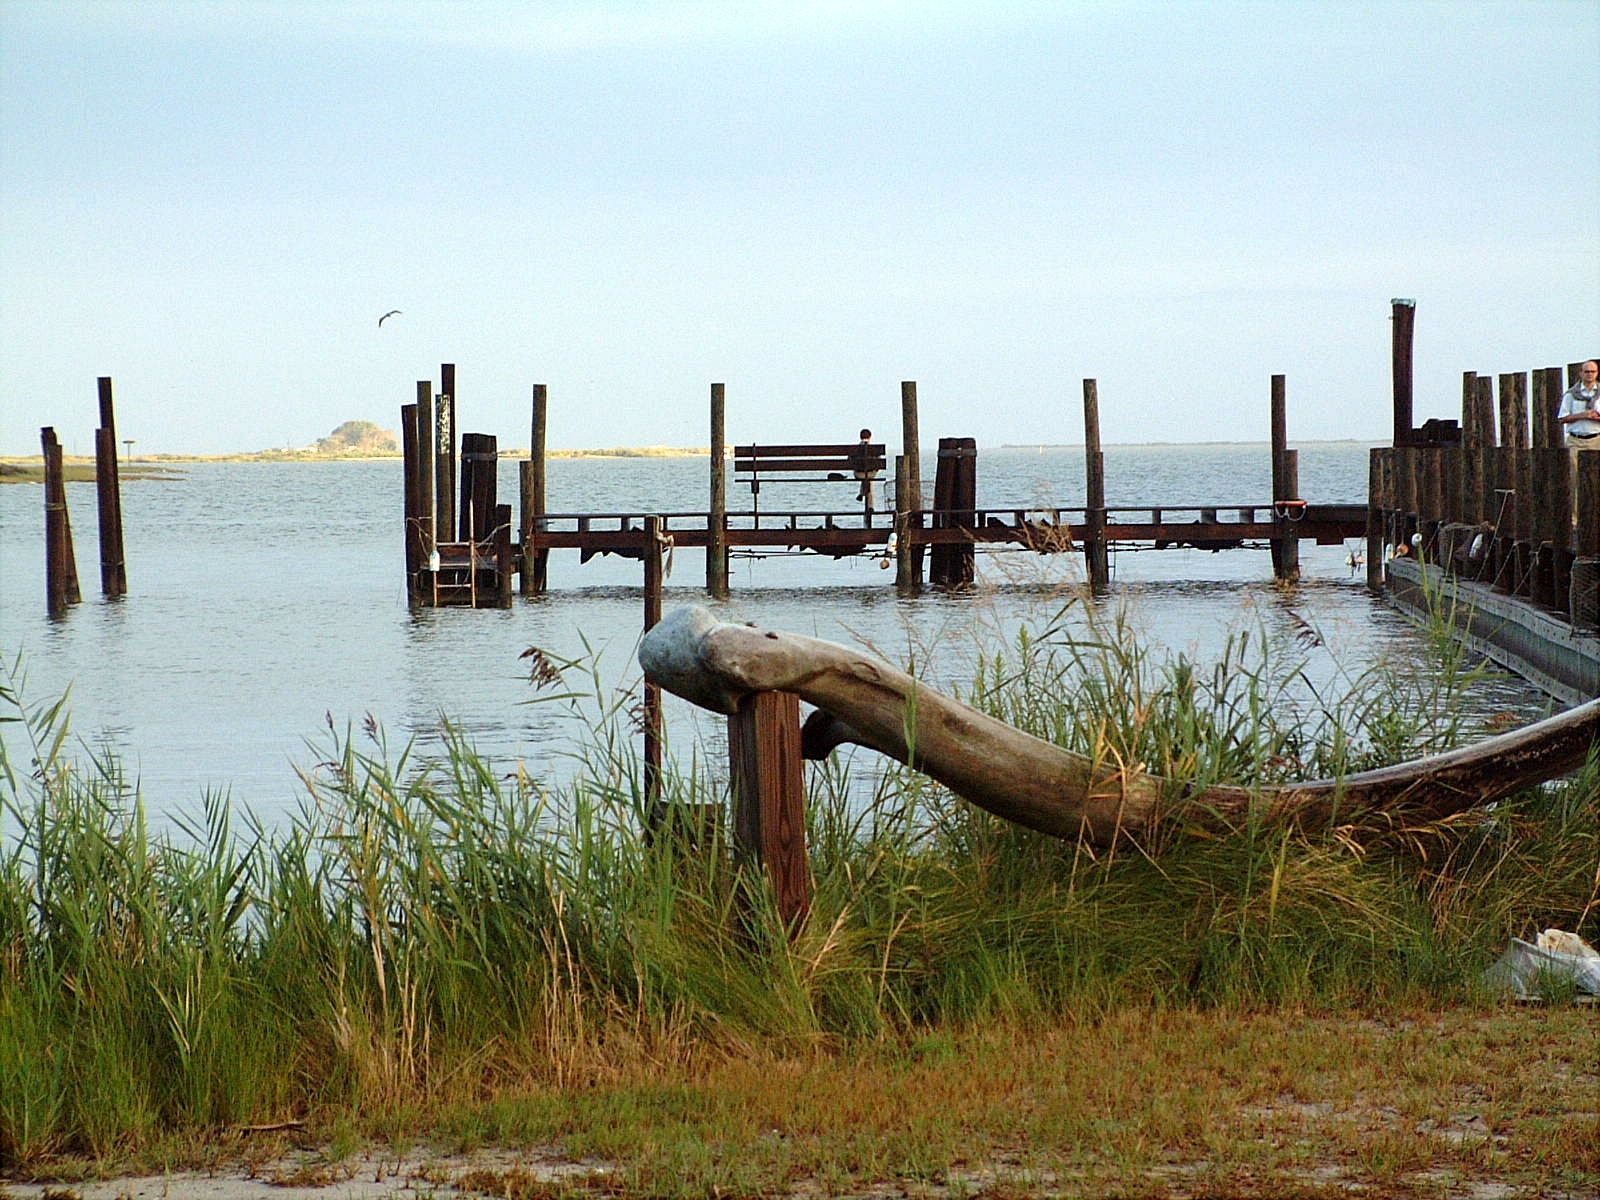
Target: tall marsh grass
x=429, y=929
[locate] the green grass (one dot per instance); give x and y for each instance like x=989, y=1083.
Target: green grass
x=433, y=947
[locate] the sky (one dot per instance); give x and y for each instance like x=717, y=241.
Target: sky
x=806, y=200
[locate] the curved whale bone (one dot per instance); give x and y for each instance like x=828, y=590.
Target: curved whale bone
x=863, y=700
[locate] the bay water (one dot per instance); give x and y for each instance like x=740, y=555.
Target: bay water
x=266, y=601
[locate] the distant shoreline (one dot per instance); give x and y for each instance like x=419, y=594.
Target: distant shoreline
x=80, y=468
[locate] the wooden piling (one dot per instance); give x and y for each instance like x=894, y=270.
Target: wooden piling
x=902, y=524
x=426, y=494
x=113, y=577
x=61, y=567
x=108, y=489
x=953, y=564
x=444, y=466
x=1483, y=399
x=410, y=453
x=1514, y=410
x=1403, y=316
x=1584, y=595
x=1095, y=558
x=506, y=554
x=1285, y=487
x=480, y=462
x=768, y=786
x=908, y=574
x=1377, y=501
x=717, y=519
x=535, y=563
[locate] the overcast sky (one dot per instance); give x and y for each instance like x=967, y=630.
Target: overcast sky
x=809, y=201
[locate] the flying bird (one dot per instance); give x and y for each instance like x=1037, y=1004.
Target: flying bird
x=393, y=312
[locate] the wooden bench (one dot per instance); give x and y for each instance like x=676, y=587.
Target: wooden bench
x=852, y=461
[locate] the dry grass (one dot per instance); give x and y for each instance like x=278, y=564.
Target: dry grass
x=1456, y=1103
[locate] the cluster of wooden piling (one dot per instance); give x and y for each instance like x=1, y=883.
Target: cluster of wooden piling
x=455, y=554
x=62, y=589
x=1505, y=506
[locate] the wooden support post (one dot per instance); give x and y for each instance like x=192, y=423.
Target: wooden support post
x=1471, y=434
x=506, y=554
x=535, y=563
x=1547, y=391
x=411, y=451
x=909, y=579
x=952, y=564
x=1552, y=523
x=61, y=566
x=425, y=496
x=113, y=579
x=108, y=484
x=1285, y=486
x=444, y=467
x=1483, y=398
x=769, y=827
x=938, y=553
x=1584, y=597
x=1514, y=410
x=652, y=692
x=1403, y=314
x=964, y=502
x=903, y=569
x=480, y=464
x=717, y=531
x=1377, y=502
x=1095, y=558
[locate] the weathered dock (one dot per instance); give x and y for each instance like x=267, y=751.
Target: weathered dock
x=1494, y=518
x=466, y=554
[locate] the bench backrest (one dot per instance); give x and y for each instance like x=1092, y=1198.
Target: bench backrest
x=845, y=458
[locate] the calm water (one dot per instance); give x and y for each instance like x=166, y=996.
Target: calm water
x=267, y=598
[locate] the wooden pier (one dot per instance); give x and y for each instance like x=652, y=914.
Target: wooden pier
x=465, y=553
x=1494, y=514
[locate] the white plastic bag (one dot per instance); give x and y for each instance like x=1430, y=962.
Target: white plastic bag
x=1558, y=959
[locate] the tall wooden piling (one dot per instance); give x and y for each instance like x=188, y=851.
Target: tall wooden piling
x=108, y=491
x=1285, y=487
x=1095, y=557
x=902, y=524
x=480, y=462
x=1403, y=317
x=953, y=564
x=410, y=453
x=535, y=563
x=1584, y=596
x=444, y=465
x=507, y=553
x=717, y=518
x=426, y=494
x=61, y=564
x=1377, y=502
x=908, y=493
x=1556, y=489
x=768, y=785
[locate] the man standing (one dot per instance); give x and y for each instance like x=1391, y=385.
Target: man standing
x=1579, y=415
x=1580, y=407
x=862, y=457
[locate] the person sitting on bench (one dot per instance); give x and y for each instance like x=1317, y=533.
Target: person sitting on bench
x=863, y=453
